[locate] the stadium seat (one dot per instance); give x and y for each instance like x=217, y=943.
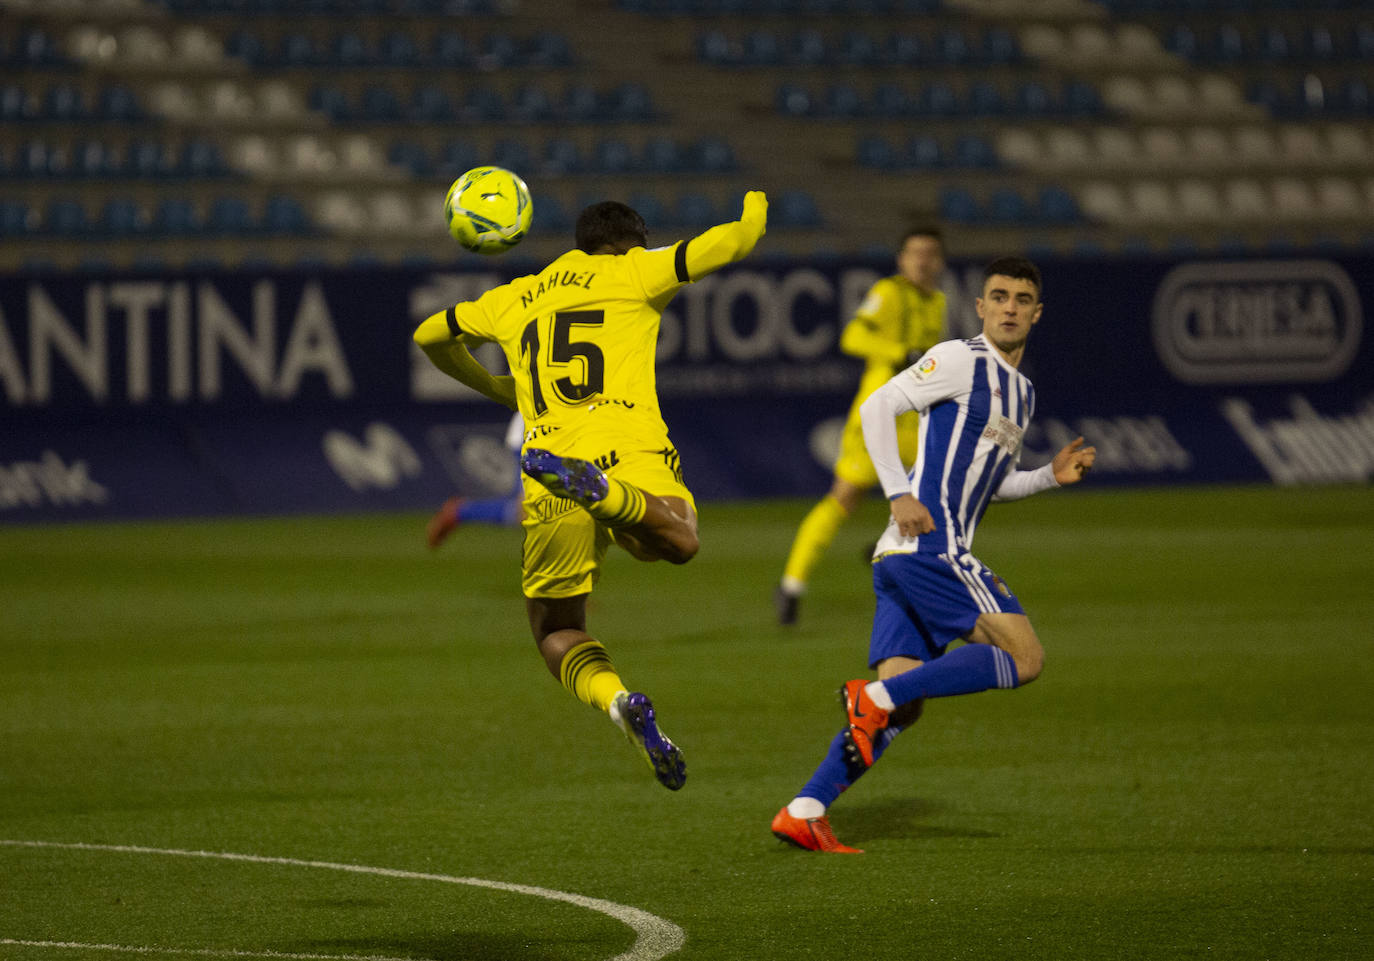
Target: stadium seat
x=409, y=155
x=951, y=48
x=971, y=150
x=496, y=51
x=1126, y=95
x=713, y=155
x=379, y=104
x=1034, y=99
x=398, y=49
x=1346, y=143
x=957, y=206
x=283, y=214
x=119, y=104
x=175, y=216
x=1300, y=145
x=229, y=216
x=1104, y=202
x=94, y=159
x=450, y=50
x=482, y=105
x=255, y=154
x=905, y=50
x=1208, y=146
x=297, y=50
x=247, y=45
x=1293, y=199
x=1081, y=99
x=531, y=104
x=1163, y=147
x=757, y=48
x=1198, y=200
x=279, y=101
x=661, y=155
x=794, y=100
x=923, y=152
x=806, y=49
x=1055, y=205
x=17, y=218
x=1115, y=147
x=695, y=210
x=341, y=212
x=307, y=155
x=1020, y=147
x=562, y=156
x=1246, y=199
x=985, y=99
x=66, y=217
x=360, y=154
x=1068, y=147
x=842, y=100
x=1151, y=201
x=1255, y=146
x=121, y=217
x=875, y=153
x=431, y=104
x=938, y=99
x=512, y=154
x=580, y=104
x=611, y=155
x=349, y=50
x=1338, y=198
x=1007, y=207
x=998, y=47
x=648, y=206
x=455, y=157
x=389, y=213
x=64, y=103
x=855, y=48
x=549, y=50
x=890, y=100
x=200, y=158
x=797, y=209
x=147, y=158
x=630, y=103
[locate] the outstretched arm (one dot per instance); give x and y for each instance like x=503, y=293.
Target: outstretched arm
x=724, y=244
x=451, y=355
x=1068, y=467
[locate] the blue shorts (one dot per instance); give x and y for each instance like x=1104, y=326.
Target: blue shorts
x=927, y=600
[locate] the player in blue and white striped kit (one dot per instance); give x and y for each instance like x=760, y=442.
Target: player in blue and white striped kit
x=975, y=406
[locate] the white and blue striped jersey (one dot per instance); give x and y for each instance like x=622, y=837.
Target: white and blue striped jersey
x=974, y=408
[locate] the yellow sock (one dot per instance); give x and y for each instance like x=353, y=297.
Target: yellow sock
x=813, y=537
x=623, y=505
x=587, y=672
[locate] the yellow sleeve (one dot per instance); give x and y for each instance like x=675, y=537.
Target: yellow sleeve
x=665, y=269
x=445, y=338
x=872, y=333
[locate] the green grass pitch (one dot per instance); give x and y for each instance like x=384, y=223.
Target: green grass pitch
x=1192, y=776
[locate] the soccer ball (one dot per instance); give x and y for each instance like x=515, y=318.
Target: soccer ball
x=488, y=210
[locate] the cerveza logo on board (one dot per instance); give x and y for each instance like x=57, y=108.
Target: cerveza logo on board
x=1257, y=322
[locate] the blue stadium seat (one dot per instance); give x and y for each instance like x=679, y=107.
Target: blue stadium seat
x=794, y=100
x=1321, y=44
x=939, y=99
x=713, y=155
x=1007, y=206
x=450, y=49
x=1362, y=40
x=924, y=152
x=410, y=155
x=147, y=158
x=905, y=50
x=93, y=158
x=332, y=102
x=580, y=104
x=1274, y=45
x=64, y=103
x=759, y=48
x=1034, y=99
x=17, y=218
x=972, y=150
x=1355, y=96
x=842, y=100
x=37, y=158
x=200, y=158
x=531, y=104
x=985, y=99
x=856, y=48
x=952, y=48
x=611, y=155
x=66, y=217
x=631, y=103
x=648, y=206
x=548, y=49
x=482, y=105
x=714, y=47
x=349, y=50
x=455, y=157
x=1055, y=205
x=398, y=49
x=432, y=104
x=806, y=49
x=695, y=210
x=497, y=51
x=297, y=50
x=998, y=46
x=562, y=156
x=230, y=216
x=512, y=154
x=957, y=206
x=15, y=104
x=890, y=100
x=1228, y=45
x=1081, y=99
x=247, y=46
x=121, y=217
x=378, y=104
x=120, y=104
x=797, y=209
x=661, y=155
x=550, y=215
x=876, y=153
x=1181, y=41
x=175, y=216
x=283, y=214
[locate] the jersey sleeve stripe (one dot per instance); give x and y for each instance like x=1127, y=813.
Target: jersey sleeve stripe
x=680, y=263
x=451, y=318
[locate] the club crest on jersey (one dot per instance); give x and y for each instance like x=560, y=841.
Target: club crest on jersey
x=925, y=368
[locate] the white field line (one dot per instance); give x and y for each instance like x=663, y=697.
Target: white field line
x=655, y=937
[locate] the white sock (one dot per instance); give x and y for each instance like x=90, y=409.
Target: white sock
x=877, y=693
x=793, y=587
x=614, y=709
x=805, y=808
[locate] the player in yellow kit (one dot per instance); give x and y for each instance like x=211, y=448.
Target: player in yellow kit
x=902, y=316
x=580, y=338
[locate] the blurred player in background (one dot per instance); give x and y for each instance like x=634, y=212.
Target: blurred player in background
x=507, y=511
x=902, y=316
x=931, y=590
x=580, y=339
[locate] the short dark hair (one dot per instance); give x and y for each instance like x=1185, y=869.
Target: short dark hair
x=933, y=231
x=1017, y=268
x=610, y=223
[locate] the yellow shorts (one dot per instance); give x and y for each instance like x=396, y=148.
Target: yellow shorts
x=854, y=466
x=564, y=545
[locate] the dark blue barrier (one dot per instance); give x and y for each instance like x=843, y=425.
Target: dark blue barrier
x=276, y=392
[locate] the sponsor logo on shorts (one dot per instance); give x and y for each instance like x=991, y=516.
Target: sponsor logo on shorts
x=607, y=460
x=550, y=508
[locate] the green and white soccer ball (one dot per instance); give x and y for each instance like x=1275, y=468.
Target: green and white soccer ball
x=488, y=210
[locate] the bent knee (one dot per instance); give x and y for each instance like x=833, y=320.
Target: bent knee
x=1029, y=661
x=682, y=547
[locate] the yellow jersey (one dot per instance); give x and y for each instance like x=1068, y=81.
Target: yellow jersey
x=580, y=338
x=896, y=320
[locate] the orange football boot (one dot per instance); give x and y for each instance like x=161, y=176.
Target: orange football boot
x=866, y=720
x=811, y=834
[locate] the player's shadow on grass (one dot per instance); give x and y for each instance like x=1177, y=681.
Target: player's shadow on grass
x=902, y=820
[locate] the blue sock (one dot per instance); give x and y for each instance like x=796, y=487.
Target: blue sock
x=491, y=511
x=833, y=776
x=964, y=670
